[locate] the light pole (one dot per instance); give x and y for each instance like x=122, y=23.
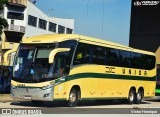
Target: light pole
x=50, y=10
x=1, y=51
x=1, y=67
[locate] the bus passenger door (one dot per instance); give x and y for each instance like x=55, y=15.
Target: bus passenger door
x=61, y=69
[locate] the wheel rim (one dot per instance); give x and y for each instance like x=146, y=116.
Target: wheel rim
x=131, y=97
x=73, y=97
x=139, y=96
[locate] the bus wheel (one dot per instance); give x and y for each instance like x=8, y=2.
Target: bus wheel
x=131, y=97
x=73, y=98
x=139, y=97
x=37, y=103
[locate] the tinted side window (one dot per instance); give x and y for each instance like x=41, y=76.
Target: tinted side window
x=147, y=62
x=68, y=44
x=82, y=55
x=100, y=55
x=151, y=62
x=86, y=54
x=135, y=60
x=124, y=59
x=112, y=57
x=141, y=61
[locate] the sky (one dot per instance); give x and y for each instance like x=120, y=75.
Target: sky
x=104, y=19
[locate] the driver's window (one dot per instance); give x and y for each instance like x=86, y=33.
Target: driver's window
x=61, y=64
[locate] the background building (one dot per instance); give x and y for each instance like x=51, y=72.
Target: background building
x=25, y=20
x=145, y=25
x=145, y=28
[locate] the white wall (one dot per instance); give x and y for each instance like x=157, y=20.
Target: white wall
x=34, y=11
x=31, y=30
x=31, y=9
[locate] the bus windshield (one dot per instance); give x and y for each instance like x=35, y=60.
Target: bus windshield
x=31, y=64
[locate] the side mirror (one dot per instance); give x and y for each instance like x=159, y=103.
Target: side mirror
x=55, y=51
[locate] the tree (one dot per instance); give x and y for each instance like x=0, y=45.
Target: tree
x=3, y=22
x=2, y=2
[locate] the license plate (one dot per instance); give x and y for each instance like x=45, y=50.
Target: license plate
x=27, y=97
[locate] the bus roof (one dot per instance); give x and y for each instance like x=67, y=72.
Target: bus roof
x=53, y=38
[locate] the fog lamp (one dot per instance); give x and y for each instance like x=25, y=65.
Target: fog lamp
x=46, y=95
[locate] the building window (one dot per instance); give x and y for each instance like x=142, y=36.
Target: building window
x=61, y=29
x=32, y=20
x=69, y=31
x=42, y=24
x=13, y=15
x=52, y=27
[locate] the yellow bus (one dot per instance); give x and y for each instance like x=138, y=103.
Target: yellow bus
x=73, y=67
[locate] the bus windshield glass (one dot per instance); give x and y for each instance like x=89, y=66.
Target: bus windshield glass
x=31, y=62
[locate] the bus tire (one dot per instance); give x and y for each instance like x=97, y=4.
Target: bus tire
x=73, y=98
x=131, y=96
x=37, y=102
x=139, y=97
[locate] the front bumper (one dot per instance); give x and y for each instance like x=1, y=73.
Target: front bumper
x=32, y=93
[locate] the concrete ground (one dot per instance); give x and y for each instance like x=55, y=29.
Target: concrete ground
x=6, y=98
x=84, y=107
x=8, y=102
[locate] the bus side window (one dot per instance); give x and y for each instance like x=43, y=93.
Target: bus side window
x=112, y=57
x=100, y=55
x=82, y=55
x=151, y=60
x=62, y=64
x=125, y=59
x=78, y=57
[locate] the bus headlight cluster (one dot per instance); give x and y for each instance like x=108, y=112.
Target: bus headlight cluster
x=46, y=95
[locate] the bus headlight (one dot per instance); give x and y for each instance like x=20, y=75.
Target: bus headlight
x=46, y=95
